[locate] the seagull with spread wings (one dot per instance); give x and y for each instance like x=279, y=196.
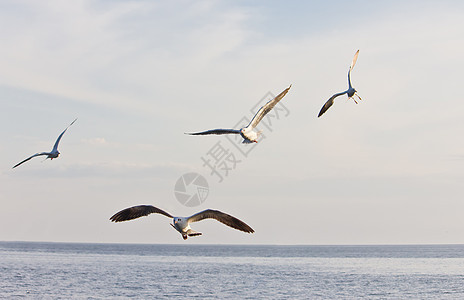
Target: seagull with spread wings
x=53, y=154
x=181, y=224
x=351, y=92
x=248, y=134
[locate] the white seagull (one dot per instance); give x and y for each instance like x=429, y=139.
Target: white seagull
x=181, y=224
x=247, y=133
x=53, y=154
x=350, y=91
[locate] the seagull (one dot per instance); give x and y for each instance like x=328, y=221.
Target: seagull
x=54, y=153
x=350, y=91
x=247, y=133
x=181, y=224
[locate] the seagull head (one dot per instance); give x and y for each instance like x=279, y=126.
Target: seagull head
x=53, y=154
x=179, y=222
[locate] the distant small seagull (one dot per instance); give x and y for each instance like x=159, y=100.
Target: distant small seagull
x=181, y=224
x=247, y=133
x=350, y=91
x=53, y=154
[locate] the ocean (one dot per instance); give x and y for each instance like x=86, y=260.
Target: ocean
x=34, y=270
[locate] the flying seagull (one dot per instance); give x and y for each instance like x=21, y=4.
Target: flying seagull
x=181, y=224
x=350, y=91
x=247, y=133
x=54, y=153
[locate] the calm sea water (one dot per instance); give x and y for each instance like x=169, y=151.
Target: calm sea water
x=117, y=271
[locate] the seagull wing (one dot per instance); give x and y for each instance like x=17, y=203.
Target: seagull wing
x=221, y=217
x=215, y=131
x=137, y=212
x=329, y=103
x=355, y=58
x=37, y=154
x=267, y=108
x=55, y=147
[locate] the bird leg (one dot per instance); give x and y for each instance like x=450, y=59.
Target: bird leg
x=353, y=99
x=358, y=96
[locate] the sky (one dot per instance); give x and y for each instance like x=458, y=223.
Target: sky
x=139, y=74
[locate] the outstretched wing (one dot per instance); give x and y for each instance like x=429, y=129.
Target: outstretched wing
x=355, y=58
x=221, y=217
x=266, y=108
x=137, y=212
x=215, y=131
x=55, y=147
x=329, y=103
x=37, y=154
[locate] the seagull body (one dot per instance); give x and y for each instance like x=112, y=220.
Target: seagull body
x=52, y=154
x=247, y=133
x=181, y=224
x=350, y=91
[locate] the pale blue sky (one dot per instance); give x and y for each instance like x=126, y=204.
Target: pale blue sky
x=139, y=74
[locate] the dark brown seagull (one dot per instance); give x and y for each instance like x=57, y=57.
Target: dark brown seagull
x=181, y=224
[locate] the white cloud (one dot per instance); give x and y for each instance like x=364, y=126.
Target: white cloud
x=121, y=54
